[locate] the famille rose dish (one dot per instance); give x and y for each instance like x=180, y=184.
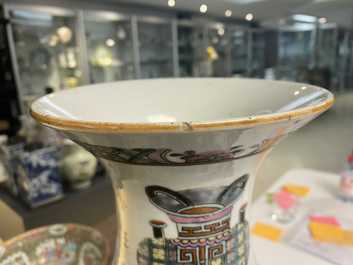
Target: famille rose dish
x=64, y=244
x=183, y=155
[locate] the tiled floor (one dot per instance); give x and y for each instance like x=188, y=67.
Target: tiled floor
x=323, y=144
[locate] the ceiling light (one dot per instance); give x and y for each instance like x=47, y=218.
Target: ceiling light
x=171, y=3
x=303, y=26
x=304, y=18
x=322, y=20
x=228, y=13
x=246, y=2
x=203, y=8
x=249, y=16
x=110, y=42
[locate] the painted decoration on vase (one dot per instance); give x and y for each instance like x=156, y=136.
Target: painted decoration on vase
x=54, y=250
x=19, y=258
x=90, y=254
x=169, y=157
x=202, y=218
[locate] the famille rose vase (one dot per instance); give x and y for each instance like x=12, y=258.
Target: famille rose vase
x=183, y=155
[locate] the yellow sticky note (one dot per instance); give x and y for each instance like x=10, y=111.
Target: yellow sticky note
x=331, y=234
x=297, y=190
x=326, y=233
x=267, y=231
x=347, y=237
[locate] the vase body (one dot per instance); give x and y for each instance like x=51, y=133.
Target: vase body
x=184, y=198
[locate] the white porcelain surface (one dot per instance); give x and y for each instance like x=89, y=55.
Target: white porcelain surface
x=182, y=195
x=77, y=165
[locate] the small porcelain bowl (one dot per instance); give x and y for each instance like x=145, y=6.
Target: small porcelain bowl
x=63, y=244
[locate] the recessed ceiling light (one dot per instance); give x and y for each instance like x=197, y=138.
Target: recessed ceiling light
x=249, y=16
x=304, y=18
x=171, y=3
x=246, y=2
x=322, y=20
x=203, y=8
x=228, y=13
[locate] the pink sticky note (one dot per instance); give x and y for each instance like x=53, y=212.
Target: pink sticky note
x=322, y=219
x=284, y=199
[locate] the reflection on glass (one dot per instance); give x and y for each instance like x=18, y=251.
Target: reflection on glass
x=326, y=55
x=256, y=67
x=185, y=50
x=109, y=44
x=46, y=51
x=203, y=50
x=156, y=50
x=296, y=47
x=344, y=66
x=239, y=51
x=327, y=40
x=218, y=50
x=192, y=47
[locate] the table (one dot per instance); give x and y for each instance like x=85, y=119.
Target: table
x=324, y=188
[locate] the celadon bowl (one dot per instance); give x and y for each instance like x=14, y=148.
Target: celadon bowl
x=183, y=155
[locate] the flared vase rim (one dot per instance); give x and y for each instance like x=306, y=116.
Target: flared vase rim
x=77, y=125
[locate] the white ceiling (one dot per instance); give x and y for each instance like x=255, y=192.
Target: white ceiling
x=337, y=11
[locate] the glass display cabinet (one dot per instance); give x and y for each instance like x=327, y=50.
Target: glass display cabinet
x=307, y=53
x=109, y=46
x=344, y=64
x=326, y=52
x=56, y=48
x=204, y=49
x=186, y=49
x=155, y=47
x=256, y=53
x=45, y=44
x=239, y=51
x=327, y=45
x=218, y=50
x=192, y=49
x=296, y=45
